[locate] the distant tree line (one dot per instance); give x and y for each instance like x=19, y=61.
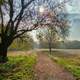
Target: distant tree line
x=61, y=45
x=70, y=44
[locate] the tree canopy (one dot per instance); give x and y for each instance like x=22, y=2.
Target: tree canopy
x=20, y=16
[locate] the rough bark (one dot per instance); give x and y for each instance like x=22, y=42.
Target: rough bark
x=3, y=53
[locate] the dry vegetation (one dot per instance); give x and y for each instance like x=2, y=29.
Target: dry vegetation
x=21, y=64
x=71, y=62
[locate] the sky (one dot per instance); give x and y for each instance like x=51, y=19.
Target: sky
x=74, y=10
x=74, y=6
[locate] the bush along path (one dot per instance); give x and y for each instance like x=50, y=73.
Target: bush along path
x=46, y=69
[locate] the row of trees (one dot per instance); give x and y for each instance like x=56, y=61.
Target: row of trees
x=20, y=16
x=59, y=45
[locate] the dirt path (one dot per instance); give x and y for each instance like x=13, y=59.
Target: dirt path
x=46, y=69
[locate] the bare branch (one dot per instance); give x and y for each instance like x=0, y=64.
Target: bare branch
x=19, y=16
x=2, y=21
x=22, y=31
x=11, y=14
x=59, y=4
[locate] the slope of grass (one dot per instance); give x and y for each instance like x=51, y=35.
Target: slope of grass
x=18, y=68
x=69, y=62
x=70, y=65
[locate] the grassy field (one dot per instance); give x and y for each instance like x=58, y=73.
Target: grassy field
x=21, y=65
x=18, y=68
x=70, y=62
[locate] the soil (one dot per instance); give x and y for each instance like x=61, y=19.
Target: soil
x=46, y=69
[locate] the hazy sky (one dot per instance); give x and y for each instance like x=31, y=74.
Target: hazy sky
x=74, y=6
x=74, y=9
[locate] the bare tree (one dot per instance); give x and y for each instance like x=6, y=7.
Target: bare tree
x=56, y=28
x=18, y=17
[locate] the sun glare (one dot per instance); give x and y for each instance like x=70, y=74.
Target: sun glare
x=41, y=9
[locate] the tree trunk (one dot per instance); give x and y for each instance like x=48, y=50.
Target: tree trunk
x=3, y=54
x=50, y=48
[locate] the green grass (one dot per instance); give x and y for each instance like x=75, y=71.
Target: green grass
x=69, y=65
x=69, y=62
x=18, y=68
